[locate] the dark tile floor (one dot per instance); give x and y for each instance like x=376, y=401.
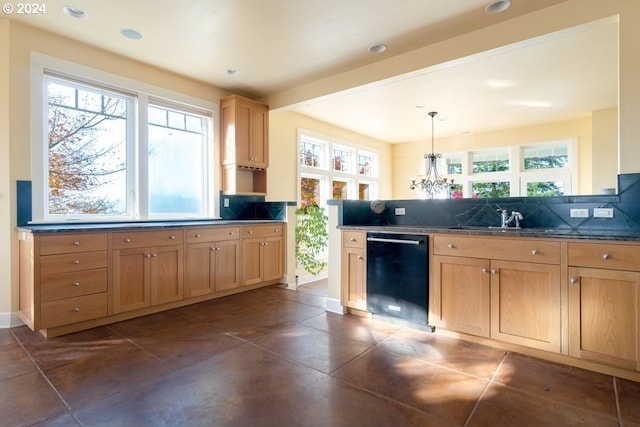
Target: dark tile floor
x=274, y=357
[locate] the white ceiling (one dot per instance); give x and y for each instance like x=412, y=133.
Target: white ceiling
x=279, y=44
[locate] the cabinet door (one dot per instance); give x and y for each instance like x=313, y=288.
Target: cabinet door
x=272, y=265
x=167, y=269
x=226, y=266
x=200, y=269
x=461, y=294
x=604, y=316
x=354, y=268
x=251, y=261
x=525, y=304
x=258, y=134
x=131, y=279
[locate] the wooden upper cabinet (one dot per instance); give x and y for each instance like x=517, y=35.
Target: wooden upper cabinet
x=244, y=132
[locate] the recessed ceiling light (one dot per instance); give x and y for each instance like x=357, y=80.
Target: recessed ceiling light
x=497, y=7
x=231, y=72
x=377, y=48
x=75, y=12
x=131, y=33
x=420, y=105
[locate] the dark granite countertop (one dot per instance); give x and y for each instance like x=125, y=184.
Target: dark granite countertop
x=137, y=225
x=565, y=233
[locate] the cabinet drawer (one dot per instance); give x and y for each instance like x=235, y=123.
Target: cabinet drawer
x=602, y=255
x=67, y=243
x=354, y=239
x=72, y=310
x=141, y=239
x=66, y=263
x=527, y=250
x=212, y=234
x=262, y=230
x=67, y=285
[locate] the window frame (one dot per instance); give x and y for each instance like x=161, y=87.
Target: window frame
x=144, y=94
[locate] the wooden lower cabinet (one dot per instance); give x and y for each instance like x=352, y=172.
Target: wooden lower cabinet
x=354, y=270
x=461, y=295
x=262, y=254
x=508, y=300
x=604, y=316
x=526, y=304
x=144, y=277
x=212, y=267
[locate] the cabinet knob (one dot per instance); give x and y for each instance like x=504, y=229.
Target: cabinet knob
x=485, y=271
x=76, y=261
x=451, y=246
x=360, y=257
x=493, y=271
x=573, y=280
x=76, y=284
x=606, y=256
x=250, y=231
x=76, y=309
x=197, y=235
x=534, y=252
x=76, y=243
x=154, y=255
x=231, y=233
x=353, y=239
x=148, y=255
x=172, y=238
x=127, y=240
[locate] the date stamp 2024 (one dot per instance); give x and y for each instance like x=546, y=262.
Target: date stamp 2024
x=24, y=8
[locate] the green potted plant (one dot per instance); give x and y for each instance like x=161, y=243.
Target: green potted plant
x=311, y=237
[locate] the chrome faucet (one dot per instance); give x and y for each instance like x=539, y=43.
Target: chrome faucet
x=514, y=217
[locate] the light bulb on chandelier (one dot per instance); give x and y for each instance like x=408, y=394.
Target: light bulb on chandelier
x=434, y=185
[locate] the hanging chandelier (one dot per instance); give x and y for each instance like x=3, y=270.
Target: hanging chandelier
x=434, y=185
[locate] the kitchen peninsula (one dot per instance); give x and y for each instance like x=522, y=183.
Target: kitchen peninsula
x=560, y=288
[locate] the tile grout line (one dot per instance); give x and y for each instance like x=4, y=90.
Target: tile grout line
x=48, y=381
x=486, y=387
x=615, y=393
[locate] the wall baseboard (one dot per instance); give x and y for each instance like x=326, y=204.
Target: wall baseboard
x=10, y=320
x=334, y=306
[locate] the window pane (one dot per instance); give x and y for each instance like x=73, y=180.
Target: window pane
x=456, y=191
x=87, y=140
x=176, y=172
x=365, y=164
x=545, y=157
x=491, y=189
x=490, y=161
x=339, y=190
x=452, y=164
x=309, y=191
x=364, y=191
x=545, y=189
x=310, y=154
x=341, y=159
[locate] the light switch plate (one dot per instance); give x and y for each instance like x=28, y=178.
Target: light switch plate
x=603, y=212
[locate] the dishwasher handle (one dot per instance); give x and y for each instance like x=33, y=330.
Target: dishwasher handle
x=400, y=241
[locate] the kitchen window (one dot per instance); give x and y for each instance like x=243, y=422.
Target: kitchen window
x=112, y=153
x=331, y=169
x=532, y=170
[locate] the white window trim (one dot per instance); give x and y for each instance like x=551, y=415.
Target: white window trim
x=41, y=62
x=326, y=172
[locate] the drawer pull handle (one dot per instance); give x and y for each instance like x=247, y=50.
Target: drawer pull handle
x=76, y=261
x=127, y=240
x=77, y=310
x=451, y=246
x=606, y=256
x=76, y=243
x=573, y=280
x=485, y=271
x=534, y=252
x=172, y=238
x=197, y=235
x=76, y=284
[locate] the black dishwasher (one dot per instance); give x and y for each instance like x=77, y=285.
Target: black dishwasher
x=397, y=276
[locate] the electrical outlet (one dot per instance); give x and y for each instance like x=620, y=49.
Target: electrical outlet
x=603, y=212
x=226, y=203
x=400, y=211
x=579, y=213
